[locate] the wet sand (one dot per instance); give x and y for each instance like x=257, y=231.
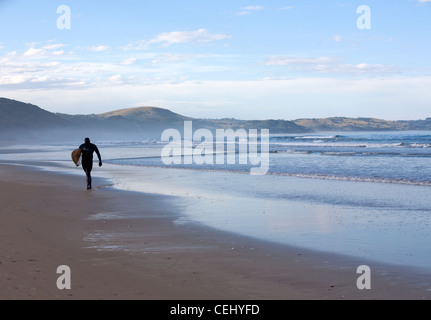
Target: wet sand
x=126, y=245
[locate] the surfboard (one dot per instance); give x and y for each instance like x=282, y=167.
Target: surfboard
x=76, y=157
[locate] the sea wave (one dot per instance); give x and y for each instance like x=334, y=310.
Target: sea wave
x=310, y=137
x=419, y=145
x=287, y=174
x=317, y=137
x=352, y=178
x=120, y=143
x=338, y=145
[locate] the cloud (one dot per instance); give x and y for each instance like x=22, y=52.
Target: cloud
x=32, y=69
x=423, y=1
x=171, y=58
x=53, y=46
x=167, y=39
x=337, y=38
x=293, y=60
x=253, y=8
x=98, y=48
x=248, y=10
x=177, y=37
x=329, y=65
x=115, y=78
x=14, y=79
x=128, y=62
x=137, y=45
x=33, y=52
x=284, y=99
x=286, y=8
x=361, y=68
x=16, y=70
x=45, y=51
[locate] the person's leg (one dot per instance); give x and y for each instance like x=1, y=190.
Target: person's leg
x=89, y=177
x=87, y=168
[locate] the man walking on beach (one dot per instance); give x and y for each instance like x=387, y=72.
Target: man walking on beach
x=88, y=149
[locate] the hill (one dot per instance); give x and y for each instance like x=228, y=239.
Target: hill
x=19, y=115
x=26, y=122
x=350, y=124
x=146, y=114
x=362, y=124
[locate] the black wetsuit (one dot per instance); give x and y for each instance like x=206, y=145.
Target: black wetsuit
x=87, y=159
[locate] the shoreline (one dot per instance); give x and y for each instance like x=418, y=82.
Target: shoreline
x=149, y=254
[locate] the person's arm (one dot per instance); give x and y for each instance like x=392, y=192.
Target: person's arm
x=99, y=156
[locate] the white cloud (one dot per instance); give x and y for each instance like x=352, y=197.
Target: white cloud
x=337, y=38
x=128, y=62
x=286, y=8
x=53, y=46
x=44, y=51
x=424, y=1
x=16, y=71
x=168, y=78
x=171, y=58
x=13, y=79
x=115, y=78
x=197, y=36
x=248, y=10
x=34, y=52
x=10, y=55
x=178, y=37
x=361, y=68
x=137, y=45
x=283, y=99
x=98, y=48
x=329, y=65
x=294, y=60
x=40, y=79
x=33, y=68
x=253, y=8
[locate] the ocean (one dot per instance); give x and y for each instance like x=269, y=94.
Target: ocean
x=365, y=195
x=400, y=157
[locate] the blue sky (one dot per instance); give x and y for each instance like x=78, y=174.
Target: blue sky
x=271, y=59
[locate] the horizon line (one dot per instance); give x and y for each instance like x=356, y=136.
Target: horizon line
x=223, y=118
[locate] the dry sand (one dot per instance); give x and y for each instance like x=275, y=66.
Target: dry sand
x=44, y=221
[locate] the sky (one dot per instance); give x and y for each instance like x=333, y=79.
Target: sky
x=271, y=59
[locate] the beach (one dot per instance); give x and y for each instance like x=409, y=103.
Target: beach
x=215, y=151
x=49, y=220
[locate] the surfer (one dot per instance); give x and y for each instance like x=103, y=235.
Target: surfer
x=88, y=149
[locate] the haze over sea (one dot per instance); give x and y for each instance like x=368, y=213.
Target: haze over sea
x=364, y=195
